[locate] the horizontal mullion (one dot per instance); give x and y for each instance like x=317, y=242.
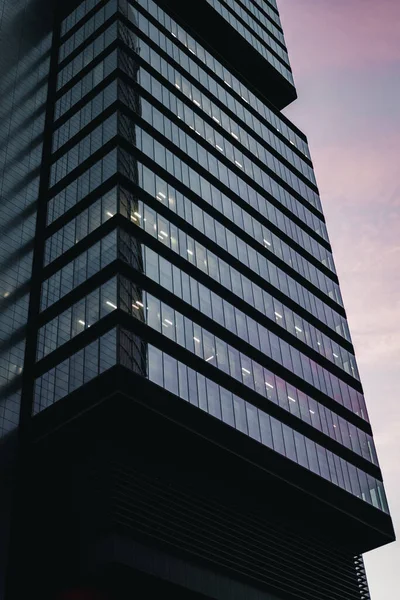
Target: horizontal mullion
x=272, y=257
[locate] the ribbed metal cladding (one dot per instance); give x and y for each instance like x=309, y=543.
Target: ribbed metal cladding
x=247, y=545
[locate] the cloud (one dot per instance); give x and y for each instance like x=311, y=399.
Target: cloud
x=345, y=34
x=359, y=172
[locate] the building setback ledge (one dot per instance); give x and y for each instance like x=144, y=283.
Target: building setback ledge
x=119, y=399
x=213, y=30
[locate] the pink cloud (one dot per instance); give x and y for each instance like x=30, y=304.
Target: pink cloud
x=364, y=172
x=361, y=200
x=351, y=34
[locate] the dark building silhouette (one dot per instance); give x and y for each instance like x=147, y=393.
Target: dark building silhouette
x=180, y=404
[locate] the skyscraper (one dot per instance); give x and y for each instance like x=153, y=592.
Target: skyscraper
x=177, y=368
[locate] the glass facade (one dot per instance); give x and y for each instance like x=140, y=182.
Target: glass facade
x=24, y=66
x=160, y=218
x=25, y=44
x=163, y=160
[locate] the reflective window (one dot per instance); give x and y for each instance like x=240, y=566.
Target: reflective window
x=87, y=55
x=81, y=186
x=75, y=371
x=214, y=351
x=172, y=278
x=254, y=25
x=87, y=29
x=164, y=158
x=85, y=84
x=77, y=15
x=231, y=143
x=225, y=239
x=181, y=380
x=83, y=149
x=75, y=230
x=218, y=71
x=185, y=87
x=254, y=41
x=261, y=16
x=77, y=318
x=85, y=115
x=77, y=271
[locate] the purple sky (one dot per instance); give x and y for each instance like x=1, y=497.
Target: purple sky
x=345, y=56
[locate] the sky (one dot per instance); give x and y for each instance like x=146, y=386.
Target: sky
x=345, y=56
